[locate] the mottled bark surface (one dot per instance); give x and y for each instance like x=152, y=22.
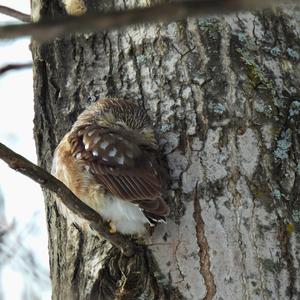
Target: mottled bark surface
x=223, y=94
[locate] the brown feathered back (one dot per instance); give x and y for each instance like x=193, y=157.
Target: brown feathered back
x=116, y=142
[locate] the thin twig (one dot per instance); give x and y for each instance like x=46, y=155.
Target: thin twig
x=27, y=168
x=168, y=12
x=11, y=67
x=15, y=14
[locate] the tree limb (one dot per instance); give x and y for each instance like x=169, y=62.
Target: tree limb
x=168, y=12
x=11, y=67
x=15, y=14
x=46, y=180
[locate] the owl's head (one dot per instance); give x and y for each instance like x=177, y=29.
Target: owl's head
x=119, y=114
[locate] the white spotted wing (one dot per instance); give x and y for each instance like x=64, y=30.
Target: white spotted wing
x=118, y=163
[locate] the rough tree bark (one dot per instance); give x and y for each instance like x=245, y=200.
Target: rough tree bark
x=223, y=93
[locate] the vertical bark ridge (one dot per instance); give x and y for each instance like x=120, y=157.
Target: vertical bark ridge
x=203, y=250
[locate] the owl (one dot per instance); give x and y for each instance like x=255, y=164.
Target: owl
x=110, y=160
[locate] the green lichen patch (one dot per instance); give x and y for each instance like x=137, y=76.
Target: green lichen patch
x=261, y=83
x=248, y=42
x=261, y=107
x=275, y=51
x=211, y=27
x=255, y=72
x=293, y=54
x=209, y=30
x=296, y=216
x=294, y=109
x=276, y=194
x=283, y=145
x=217, y=109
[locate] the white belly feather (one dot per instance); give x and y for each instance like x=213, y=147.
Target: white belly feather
x=127, y=217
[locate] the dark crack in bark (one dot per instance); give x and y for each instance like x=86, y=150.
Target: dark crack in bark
x=203, y=250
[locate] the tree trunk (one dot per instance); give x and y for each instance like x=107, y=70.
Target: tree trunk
x=223, y=95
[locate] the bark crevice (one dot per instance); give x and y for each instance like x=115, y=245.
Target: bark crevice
x=204, y=255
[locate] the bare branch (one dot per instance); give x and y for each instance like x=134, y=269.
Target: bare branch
x=46, y=180
x=11, y=67
x=47, y=30
x=15, y=14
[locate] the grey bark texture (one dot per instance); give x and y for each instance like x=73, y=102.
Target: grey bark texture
x=223, y=94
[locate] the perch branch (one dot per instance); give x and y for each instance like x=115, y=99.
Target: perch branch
x=15, y=14
x=168, y=12
x=11, y=67
x=46, y=180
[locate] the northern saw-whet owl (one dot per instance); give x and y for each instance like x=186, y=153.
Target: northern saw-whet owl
x=109, y=160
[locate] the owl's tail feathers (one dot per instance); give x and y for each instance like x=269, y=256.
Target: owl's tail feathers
x=155, y=210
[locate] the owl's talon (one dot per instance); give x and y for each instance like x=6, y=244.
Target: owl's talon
x=112, y=228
